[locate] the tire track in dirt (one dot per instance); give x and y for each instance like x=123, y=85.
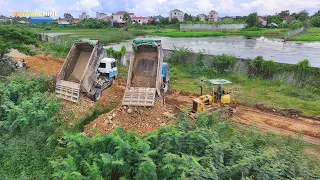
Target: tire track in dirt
x=266, y=121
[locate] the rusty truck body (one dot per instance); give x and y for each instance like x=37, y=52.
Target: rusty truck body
x=79, y=73
x=147, y=75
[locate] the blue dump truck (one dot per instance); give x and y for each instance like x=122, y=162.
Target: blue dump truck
x=148, y=75
x=85, y=70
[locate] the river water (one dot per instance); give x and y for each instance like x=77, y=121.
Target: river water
x=242, y=47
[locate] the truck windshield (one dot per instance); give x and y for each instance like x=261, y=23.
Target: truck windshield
x=113, y=64
x=102, y=65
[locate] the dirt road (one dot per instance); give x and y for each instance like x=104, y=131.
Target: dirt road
x=309, y=128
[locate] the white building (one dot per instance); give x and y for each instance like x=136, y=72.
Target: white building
x=84, y=16
x=101, y=15
x=118, y=16
x=176, y=14
x=140, y=20
x=213, y=16
x=63, y=22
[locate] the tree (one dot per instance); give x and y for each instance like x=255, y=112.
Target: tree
x=12, y=38
x=164, y=21
x=174, y=20
x=67, y=15
x=186, y=17
x=303, y=15
x=284, y=14
x=252, y=20
x=197, y=19
x=315, y=21
x=127, y=18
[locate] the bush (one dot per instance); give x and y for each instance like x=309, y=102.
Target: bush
x=47, y=28
x=205, y=148
x=179, y=55
x=315, y=21
x=25, y=105
x=283, y=25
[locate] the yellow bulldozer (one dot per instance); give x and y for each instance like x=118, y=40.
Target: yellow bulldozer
x=217, y=100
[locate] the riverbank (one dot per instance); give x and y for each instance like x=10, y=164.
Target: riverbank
x=276, y=33
x=311, y=34
x=113, y=35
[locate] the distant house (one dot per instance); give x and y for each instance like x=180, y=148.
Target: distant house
x=22, y=22
x=84, y=16
x=262, y=21
x=74, y=21
x=213, y=16
x=140, y=20
x=108, y=18
x=288, y=19
x=202, y=17
x=118, y=16
x=176, y=14
x=101, y=15
x=39, y=20
x=63, y=22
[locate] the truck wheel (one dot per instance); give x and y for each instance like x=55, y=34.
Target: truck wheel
x=97, y=95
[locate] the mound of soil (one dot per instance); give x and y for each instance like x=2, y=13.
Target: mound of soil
x=141, y=119
x=283, y=112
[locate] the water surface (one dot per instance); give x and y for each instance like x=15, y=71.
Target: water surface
x=242, y=47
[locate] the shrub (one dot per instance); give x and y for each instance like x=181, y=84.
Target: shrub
x=25, y=105
x=179, y=55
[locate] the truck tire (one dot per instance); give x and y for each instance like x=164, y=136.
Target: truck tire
x=97, y=95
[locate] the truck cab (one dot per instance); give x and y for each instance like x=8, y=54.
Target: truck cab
x=165, y=76
x=108, y=68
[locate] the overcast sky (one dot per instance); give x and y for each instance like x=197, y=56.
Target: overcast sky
x=156, y=7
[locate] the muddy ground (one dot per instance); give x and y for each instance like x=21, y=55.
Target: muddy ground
x=144, y=120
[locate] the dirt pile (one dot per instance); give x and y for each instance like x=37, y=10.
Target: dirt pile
x=73, y=79
x=143, y=81
x=142, y=119
x=75, y=111
x=46, y=64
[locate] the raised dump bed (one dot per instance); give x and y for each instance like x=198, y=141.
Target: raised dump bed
x=79, y=71
x=144, y=75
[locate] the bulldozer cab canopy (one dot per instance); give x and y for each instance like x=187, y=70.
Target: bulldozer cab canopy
x=217, y=81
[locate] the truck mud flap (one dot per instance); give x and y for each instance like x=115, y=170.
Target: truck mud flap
x=139, y=96
x=68, y=90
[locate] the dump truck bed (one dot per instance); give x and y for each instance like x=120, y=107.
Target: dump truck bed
x=79, y=70
x=144, y=75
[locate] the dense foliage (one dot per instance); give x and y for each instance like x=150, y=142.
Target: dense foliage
x=207, y=148
x=28, y=120
x=315, y=21
x=252, y=20
x=13, y=38
x=93, y=23
x=25, y=104
x=303, y=73
x=116, y=54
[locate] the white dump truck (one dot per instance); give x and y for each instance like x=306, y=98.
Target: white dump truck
x=85, y=70
x=148, y=76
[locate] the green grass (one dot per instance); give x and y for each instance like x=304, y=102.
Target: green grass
x=253, y=91
x=312, y=34
x=176, y=33
x=106, y=36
